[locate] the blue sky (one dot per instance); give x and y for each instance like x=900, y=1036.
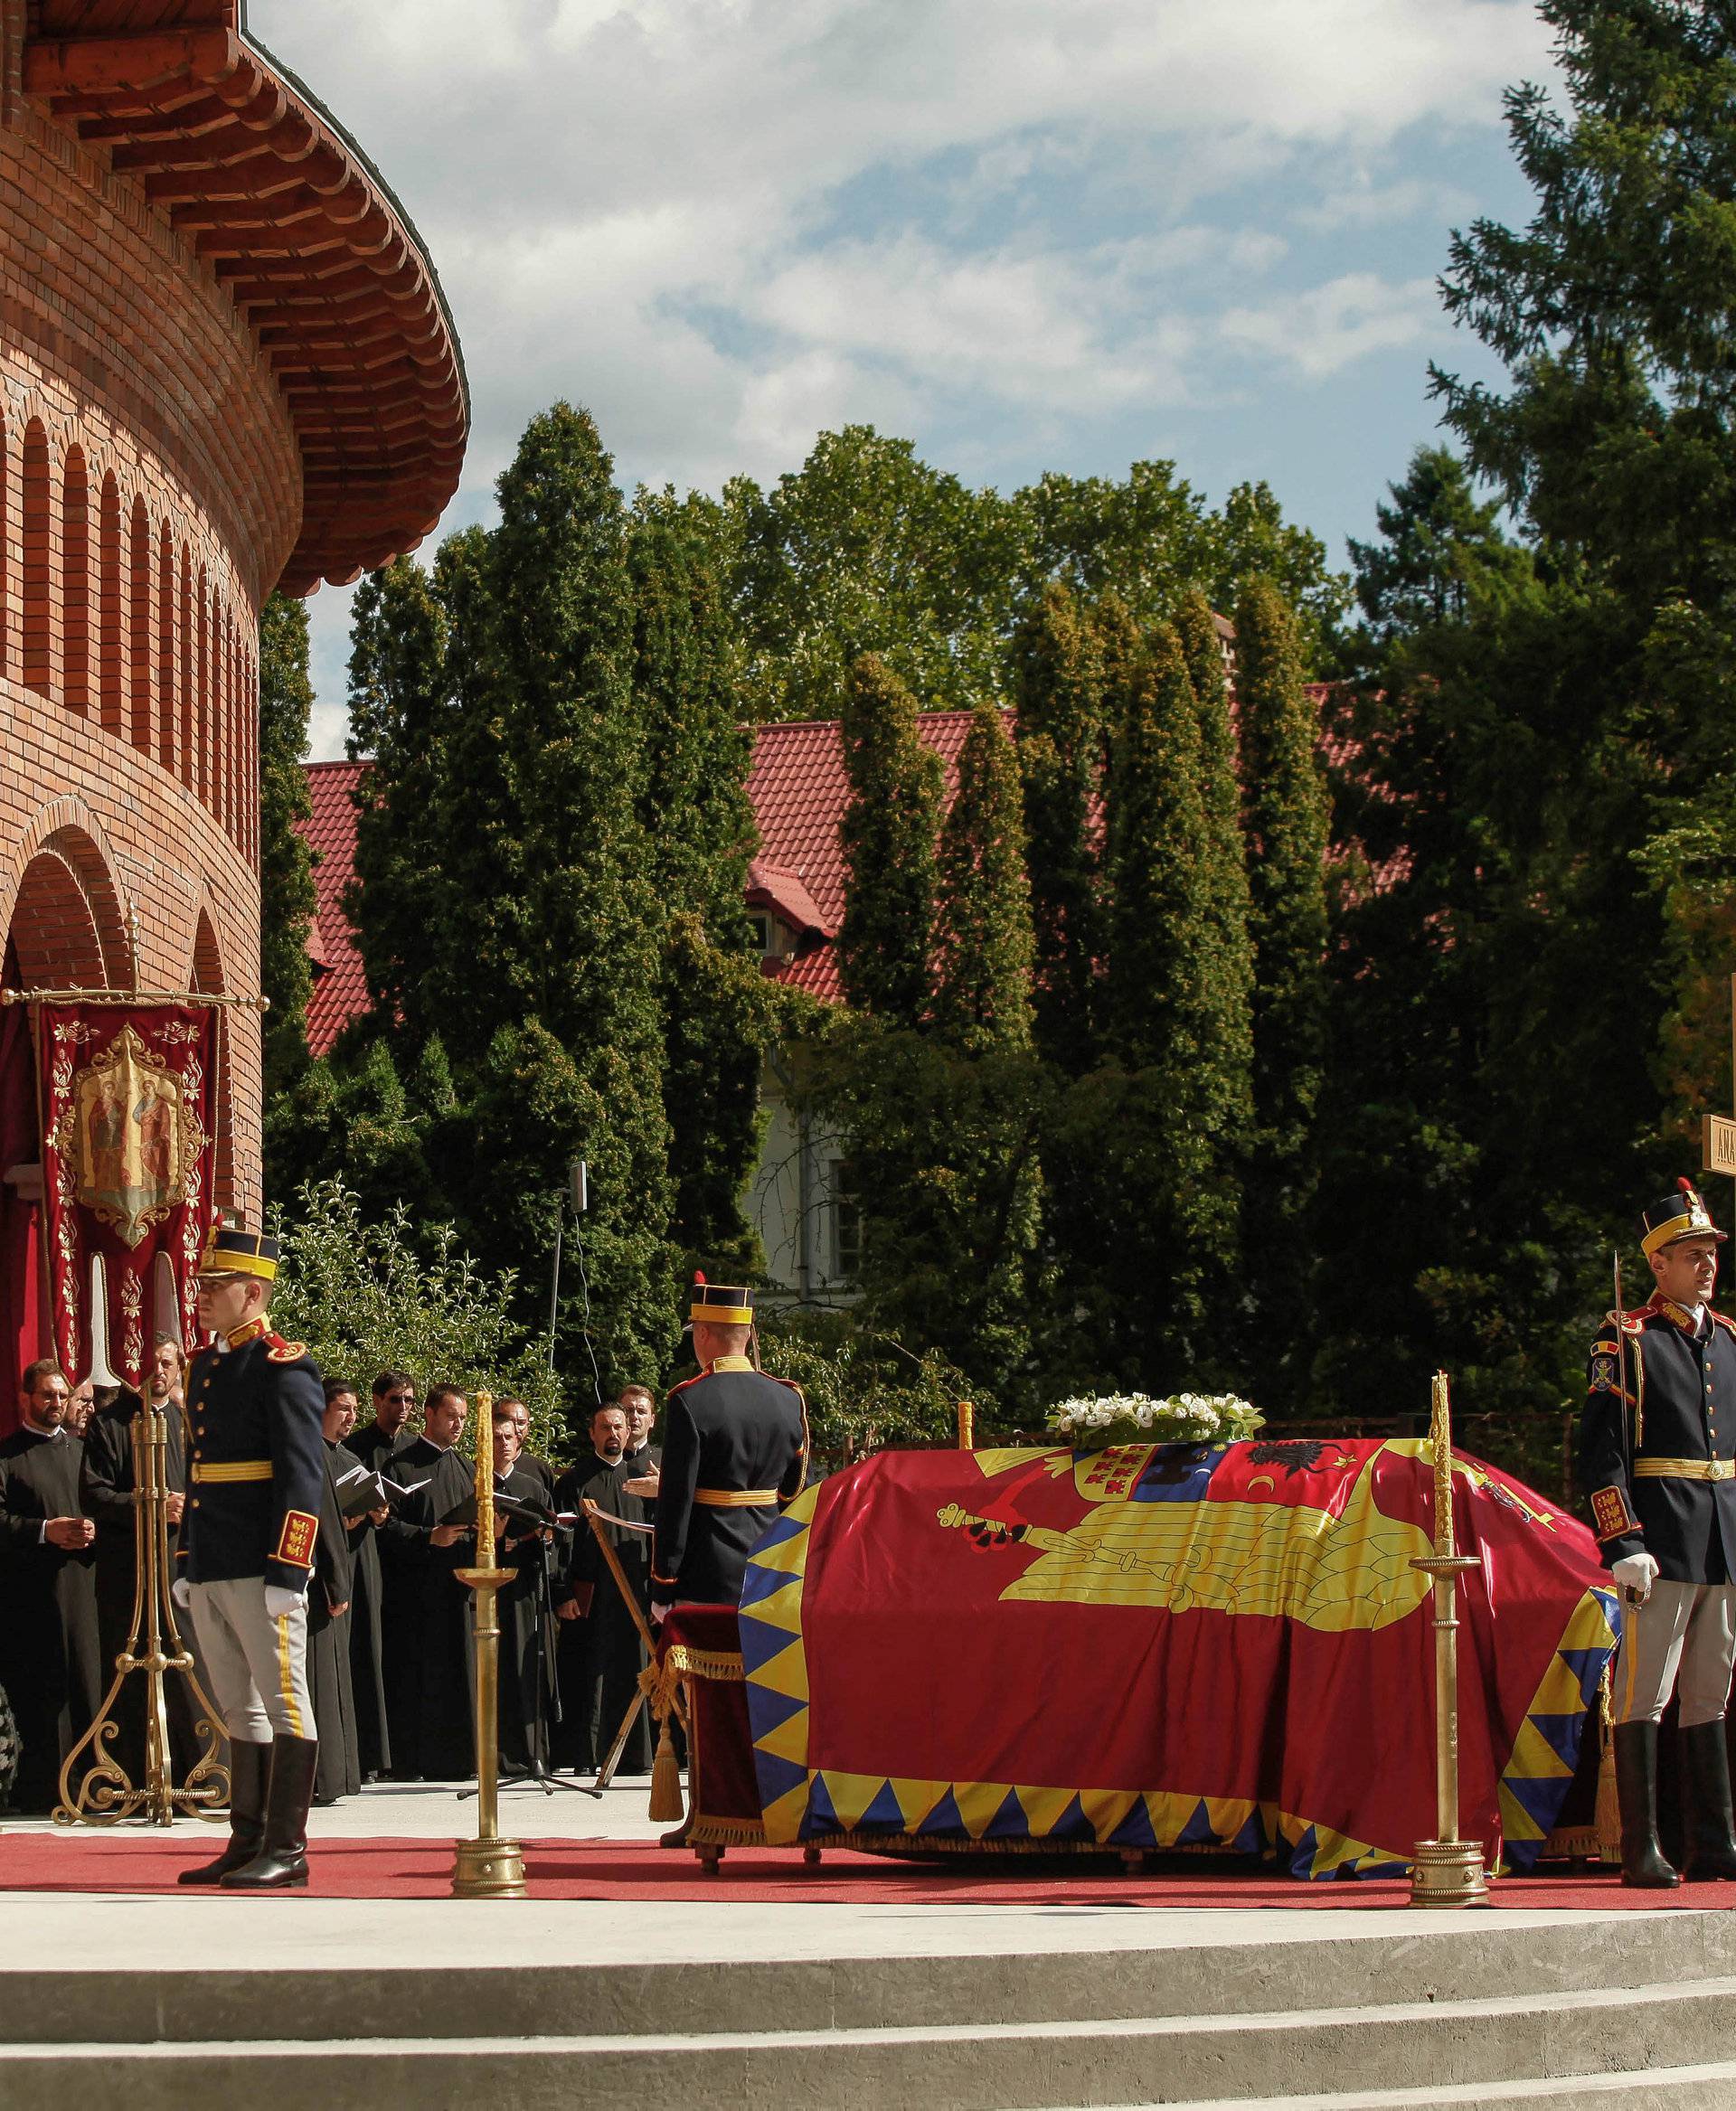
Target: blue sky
x=1028, y=234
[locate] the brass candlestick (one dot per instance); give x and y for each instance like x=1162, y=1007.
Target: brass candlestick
x=1447, y=1871
x=105, y=1792
x=486, y=1866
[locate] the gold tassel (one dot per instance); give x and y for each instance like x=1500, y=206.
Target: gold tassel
x=666, y=1807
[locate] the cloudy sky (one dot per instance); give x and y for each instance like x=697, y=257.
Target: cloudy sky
x=1028, y=234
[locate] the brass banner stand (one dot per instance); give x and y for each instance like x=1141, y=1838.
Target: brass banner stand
x=1447, y=1871
x=107, y=1794
x=488, y=1867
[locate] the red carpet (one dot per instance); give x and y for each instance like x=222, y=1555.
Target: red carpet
x=615, y=1870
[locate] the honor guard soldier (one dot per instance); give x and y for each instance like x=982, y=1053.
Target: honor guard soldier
x=1657, y=1458
x=256, y=1470
x=734, y=1453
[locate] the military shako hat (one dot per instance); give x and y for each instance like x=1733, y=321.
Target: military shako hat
x=720, y=1305
x=1681, y=1215
x=231, y=1251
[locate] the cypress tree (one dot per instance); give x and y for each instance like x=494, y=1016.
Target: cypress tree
x=399, y=716
x=984, y=943
x=1228, y=950
x=584, y=994
x=700, y=832
x=1057, y=680
x=1288, y=819
x=287, y=902
x=888, y=836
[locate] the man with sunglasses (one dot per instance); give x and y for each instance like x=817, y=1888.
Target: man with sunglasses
x=394, y=1403
x=1658, y=1459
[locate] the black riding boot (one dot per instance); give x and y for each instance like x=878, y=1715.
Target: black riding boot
x=281, y=1864
x=248, y=1767
x=1712, y=1841
x=1642, y=1858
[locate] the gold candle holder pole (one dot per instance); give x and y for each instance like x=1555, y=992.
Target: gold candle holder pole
x=486, y=1866
x=1447, y=1871
x=106, y=1793
x=967, y=1427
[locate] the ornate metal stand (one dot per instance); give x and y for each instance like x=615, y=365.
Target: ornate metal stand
x=1447, y=1871
x=104, y=1792
x=486, y=1866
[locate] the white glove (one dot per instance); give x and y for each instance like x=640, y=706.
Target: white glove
x=1637, y=1573
x=181, y=1591
x=278, y=1601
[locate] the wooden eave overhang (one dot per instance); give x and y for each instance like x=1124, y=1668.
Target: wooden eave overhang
x=328, y=269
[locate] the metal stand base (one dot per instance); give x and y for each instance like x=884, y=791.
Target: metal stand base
x=1449, y=1872
x=489, y=1869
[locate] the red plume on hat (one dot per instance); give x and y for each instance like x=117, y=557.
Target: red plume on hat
x=699, y=1275
x=1685, y=1183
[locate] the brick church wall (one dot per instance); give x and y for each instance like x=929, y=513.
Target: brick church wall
x=150, y=490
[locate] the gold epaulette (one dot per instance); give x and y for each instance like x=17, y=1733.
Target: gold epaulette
x=282, y=1352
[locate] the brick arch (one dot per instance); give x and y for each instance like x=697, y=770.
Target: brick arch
x=205, y=973
x=63, y=910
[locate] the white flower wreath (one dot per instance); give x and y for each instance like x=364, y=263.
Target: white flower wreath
x=1094, y=1423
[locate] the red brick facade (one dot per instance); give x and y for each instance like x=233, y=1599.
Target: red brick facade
x=153, y=472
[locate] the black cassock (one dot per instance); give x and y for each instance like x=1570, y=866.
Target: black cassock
x=369, y=1443
x=328, y=1643
x=106, y=1492
x=367, y=1639
x=50, y=1647
x=601, y=1655
x=426, y=1619
x=525, y=1607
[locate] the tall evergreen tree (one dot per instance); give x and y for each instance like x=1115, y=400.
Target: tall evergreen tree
x=1057, y=681
x=287, y=902
x=400, y=717
x=1441, y=551
x=700, y=834
x=983, y=942
x=1288, y=817
x=1223, y=878
x=888, y=836
x=581, y=1032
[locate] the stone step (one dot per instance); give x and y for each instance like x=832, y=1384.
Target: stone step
x=1709, y=2086
x=1258, y=2058
x=203, y=1996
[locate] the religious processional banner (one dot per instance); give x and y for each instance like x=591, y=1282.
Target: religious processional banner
x=127, y=1096
x=1163, y=1647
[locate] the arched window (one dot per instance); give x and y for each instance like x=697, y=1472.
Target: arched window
x=138, y=611
x=201, y=695
x=166, y=683
x=185, y=635
x=75, y=579
x=110, y=672
x=38, y=583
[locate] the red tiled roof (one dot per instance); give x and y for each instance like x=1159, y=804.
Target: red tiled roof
x=341, y=989
x=799, y=792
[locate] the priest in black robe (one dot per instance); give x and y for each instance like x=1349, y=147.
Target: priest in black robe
x=639, y=1454
x=339, y=1765
x=427, y=1610
x=367, y=1654
x=105, y=1487
x=394, y=1403
x=50, y=1649
x=527, y=1461
x=525, y=1607
x=601, y=1653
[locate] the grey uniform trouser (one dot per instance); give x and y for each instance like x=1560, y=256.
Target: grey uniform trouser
x=1683, y=1637
x=258, y=1664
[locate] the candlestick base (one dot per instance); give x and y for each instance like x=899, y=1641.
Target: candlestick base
x=1448, y=1872
x=489, y=1869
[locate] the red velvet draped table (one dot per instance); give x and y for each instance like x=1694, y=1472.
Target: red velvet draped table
x=699, y=1648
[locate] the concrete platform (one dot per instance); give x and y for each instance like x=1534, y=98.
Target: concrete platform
x=196, y=2001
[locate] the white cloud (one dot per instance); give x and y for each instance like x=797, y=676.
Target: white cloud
x=725, y=224
x=1329, y=326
